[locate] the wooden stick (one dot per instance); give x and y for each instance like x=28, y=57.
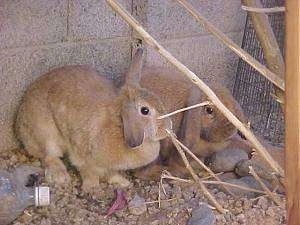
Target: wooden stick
x=184, y=109
x=263, y=10
x=211, y=95
x=215, y=182
x=201, y=163
x=233, y=46
x=234, y=185
x=159, y=195
x=162, y=200
x=268, y=42
x=195, y=176
x=163, y=176
x=292, y=111
x=272, y=195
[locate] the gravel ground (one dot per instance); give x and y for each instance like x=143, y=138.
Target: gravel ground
x=71, y=206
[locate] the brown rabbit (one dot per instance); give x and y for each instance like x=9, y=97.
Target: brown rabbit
x=204, y=130
x=103, y=129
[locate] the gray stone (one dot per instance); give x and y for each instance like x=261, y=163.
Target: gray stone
x=241, y=218
x=31, y=22
x=242, y=169
x=263, y=203
x=94, y=19
x=226, y=160
x=203, y=215
x=137, y=206
x=227, y=175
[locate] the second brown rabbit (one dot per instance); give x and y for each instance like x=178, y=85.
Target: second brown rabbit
x=76, y=111
x=204, y=130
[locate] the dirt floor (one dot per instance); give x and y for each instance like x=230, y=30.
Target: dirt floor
x=71, y=206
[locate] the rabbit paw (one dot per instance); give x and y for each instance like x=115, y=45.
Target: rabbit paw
x=151, y=172
x=57, y=175
x=119, y=180
x=56, y=172
x=91, y=184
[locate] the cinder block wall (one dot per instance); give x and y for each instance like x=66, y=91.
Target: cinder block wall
x=37, y=36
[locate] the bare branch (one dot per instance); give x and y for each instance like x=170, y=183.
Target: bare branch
x=272, y=195
x=201, y=164
x=164, y=176
x=184, y=109
x=263, y=10
x=279, y=82
x=195, y=176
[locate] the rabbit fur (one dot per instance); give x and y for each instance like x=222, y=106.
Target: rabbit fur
x=204, y=130
x=76, y=111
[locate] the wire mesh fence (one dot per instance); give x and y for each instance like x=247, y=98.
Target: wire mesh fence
x=252, y=90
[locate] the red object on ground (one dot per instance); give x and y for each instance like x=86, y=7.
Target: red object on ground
x=119, y=203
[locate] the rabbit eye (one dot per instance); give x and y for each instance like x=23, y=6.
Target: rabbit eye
x=209, y=110
x=145, y=110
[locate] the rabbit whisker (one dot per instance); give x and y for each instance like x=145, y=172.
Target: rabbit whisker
x=185, y=109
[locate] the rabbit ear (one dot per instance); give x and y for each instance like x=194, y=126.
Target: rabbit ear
x=133, y=130
x=133, y=74
x=191, y=125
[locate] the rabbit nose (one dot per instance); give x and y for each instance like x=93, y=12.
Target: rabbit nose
x=204, y=134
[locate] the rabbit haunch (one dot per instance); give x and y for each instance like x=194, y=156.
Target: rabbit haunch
x=102, y=128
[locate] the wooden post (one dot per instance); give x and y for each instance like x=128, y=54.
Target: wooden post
x=292, y=111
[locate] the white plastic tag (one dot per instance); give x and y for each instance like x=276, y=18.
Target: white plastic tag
x=42, y=196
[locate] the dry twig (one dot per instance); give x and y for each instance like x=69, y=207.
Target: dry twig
x=263, y=10
x=164, y=176
x=162, y=200
x=279, y=82
x=272, y=195
x=184, y=109
x=201, y=164
x=197, y=81
x=159, y=195
x=234, y=185
x=195, y=176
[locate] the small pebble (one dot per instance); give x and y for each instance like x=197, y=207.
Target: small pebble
x=137, y=206
x=221, y=219
x=155, y=222
x=225, y=161
x=263, y=203
x=271, y=212
x=241, y=218
x=203, y=215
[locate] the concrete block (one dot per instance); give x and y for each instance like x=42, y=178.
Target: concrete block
x=24, y=23
x=22, y=66
x=168, y=20
x=204, y=55
x=94, y=19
